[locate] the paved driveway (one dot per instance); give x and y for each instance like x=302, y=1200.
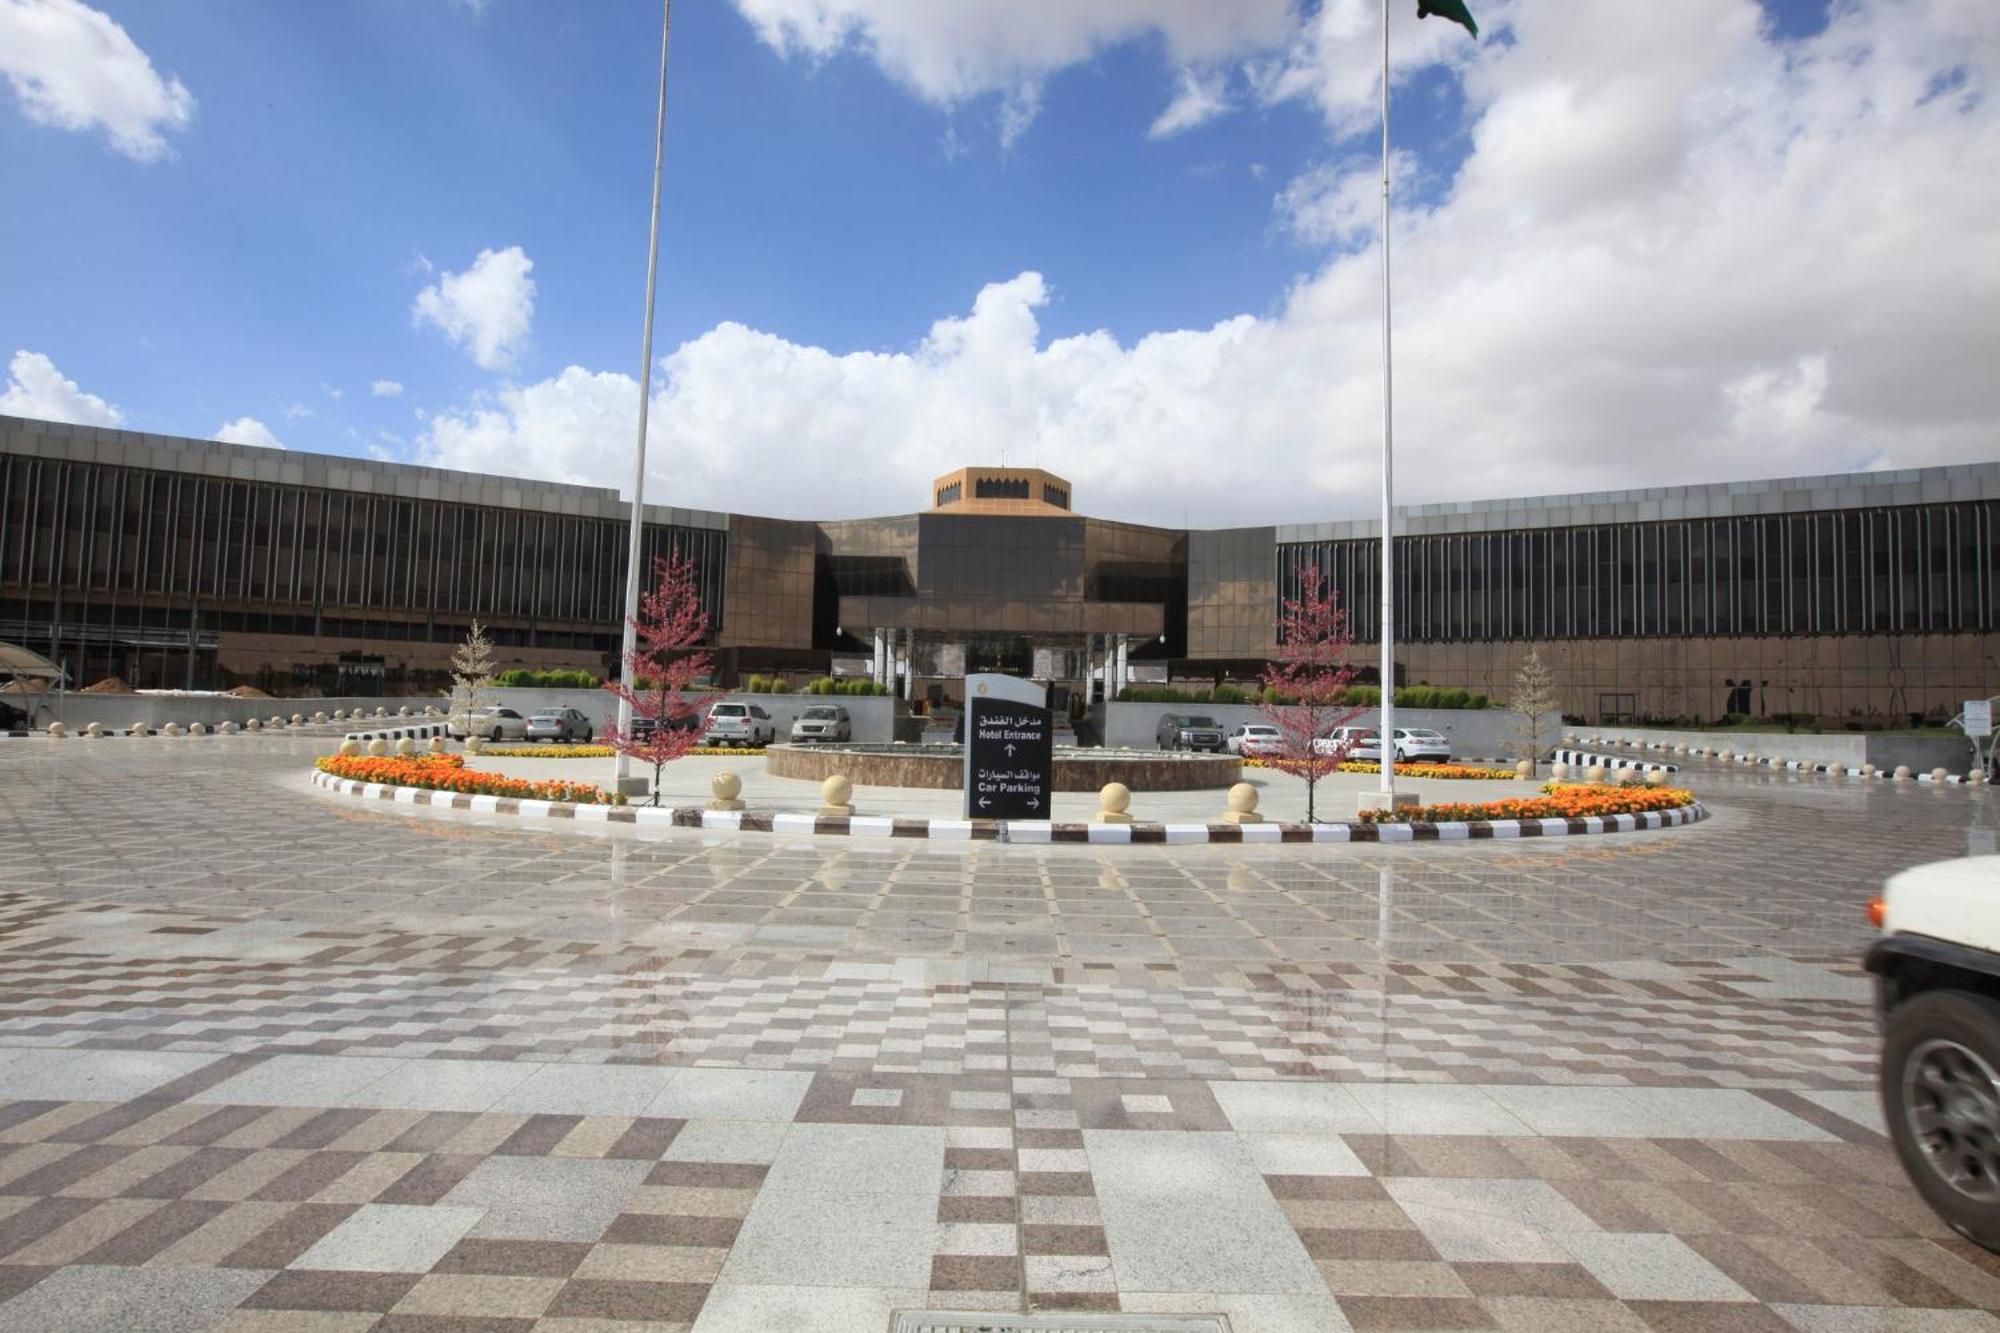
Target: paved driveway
x=272, y=1061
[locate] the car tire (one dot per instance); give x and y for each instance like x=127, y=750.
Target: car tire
x=496, y=736
x=1937, y=1046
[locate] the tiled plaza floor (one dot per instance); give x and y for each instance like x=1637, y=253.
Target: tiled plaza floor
x=270, y=1061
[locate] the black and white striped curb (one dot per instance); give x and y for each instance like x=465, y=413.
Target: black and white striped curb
x=421, y=731
x=1591, y=759
x=1831, y=770
x=1011, y=831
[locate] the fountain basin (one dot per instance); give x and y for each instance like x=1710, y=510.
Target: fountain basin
x=943, y=766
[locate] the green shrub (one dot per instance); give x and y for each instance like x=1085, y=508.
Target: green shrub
x=1228, y=694
x=523, y=678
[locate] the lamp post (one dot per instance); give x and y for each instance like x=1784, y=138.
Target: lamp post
x=636, y=546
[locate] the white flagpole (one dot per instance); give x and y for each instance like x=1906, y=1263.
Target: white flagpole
x=1388, y=727
x=636, y=546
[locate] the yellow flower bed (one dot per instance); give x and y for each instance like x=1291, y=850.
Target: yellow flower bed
x=1445, y=772
x=589, y=751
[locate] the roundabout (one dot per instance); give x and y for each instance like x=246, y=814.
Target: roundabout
x=943, y=767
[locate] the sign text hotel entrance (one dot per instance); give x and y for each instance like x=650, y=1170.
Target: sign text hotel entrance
x=1009, y=759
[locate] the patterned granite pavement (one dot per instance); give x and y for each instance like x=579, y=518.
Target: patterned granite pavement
x=269, y=1061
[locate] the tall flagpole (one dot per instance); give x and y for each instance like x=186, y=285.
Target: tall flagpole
x=1388, y=728
x=636, y=546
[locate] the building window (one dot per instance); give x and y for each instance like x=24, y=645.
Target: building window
x=1001, y=488
x=950, y=494
x=1055, y=495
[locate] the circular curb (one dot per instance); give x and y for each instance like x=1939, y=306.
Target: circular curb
x=1011, y=831
x=1780, y=766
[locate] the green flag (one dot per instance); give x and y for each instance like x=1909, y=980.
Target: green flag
x=1448, y=9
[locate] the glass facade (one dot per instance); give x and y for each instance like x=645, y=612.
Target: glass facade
x=1892, y=570
x=96, y=554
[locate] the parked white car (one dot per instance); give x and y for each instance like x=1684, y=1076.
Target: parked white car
x=1364, y=744
x=493, y=724
x=1421, y=745
x=740, y=724
x=1937, y=995
x=822, y=722
x=1250, y=739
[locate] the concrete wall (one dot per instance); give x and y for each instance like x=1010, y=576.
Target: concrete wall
x=873, y=715
x=1921, y=753
x=120, y=711
x=1474, y=732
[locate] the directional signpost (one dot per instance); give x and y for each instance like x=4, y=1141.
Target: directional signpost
x=1009, y=761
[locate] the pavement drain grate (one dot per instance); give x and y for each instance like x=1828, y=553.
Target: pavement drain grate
x=985, y=1321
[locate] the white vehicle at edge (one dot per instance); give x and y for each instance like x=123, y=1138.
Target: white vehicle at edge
x=740, y=724
x=1421, y=745
x=1937, y=994
x=1364, y=744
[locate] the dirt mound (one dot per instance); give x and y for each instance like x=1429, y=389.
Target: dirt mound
x=109, y=685
x=246, y=692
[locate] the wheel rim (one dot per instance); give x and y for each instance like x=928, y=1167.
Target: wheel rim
x=1951, y=1103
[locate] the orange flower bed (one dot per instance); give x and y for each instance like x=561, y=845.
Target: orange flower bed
x=1557, y=801
x=447, y=772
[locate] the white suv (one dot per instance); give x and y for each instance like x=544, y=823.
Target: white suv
x=740, y=724
x=1937, y=993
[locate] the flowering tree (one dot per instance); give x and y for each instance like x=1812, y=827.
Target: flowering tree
x=666, y=658
x=471, y=677
x=1534, y=699
x=1312, y=670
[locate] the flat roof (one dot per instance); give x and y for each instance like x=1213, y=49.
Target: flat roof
x=1780, y=495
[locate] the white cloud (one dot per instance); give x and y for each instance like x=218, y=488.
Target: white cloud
x=35, y=388
x=296, y=411
x=1199, y=99
x=487, y=309
x=1679, y=249
x=386, y=389
x=331, y=392
x=75, y=68
x=950, y=54
x=248, y=430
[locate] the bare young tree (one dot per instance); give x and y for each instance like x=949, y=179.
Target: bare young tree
x=666, y=659
x=471, y=676
x=1534, y=699
x=1312, y=670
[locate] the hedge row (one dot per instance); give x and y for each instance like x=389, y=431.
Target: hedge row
x=1410, y=696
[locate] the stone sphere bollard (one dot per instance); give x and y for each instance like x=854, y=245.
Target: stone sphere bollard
x=1902, y=773
x=437, y=745
x=340, y=715
x=197, y=729
x=1558, y=771
x=1657, y=778
x=725, y=792
x=171, y=729
x=378, y=747
x=1243, y=805
x=319, y=716
x=1939, y=775
x=1869, y=770
x=275, y=721
x=1595, y=773
x=253, y=725
x=138, y=729
x=227, y=729
x=57, y=731
x=93, y=731
x=1524, y=769
x=349, y=747
x=1836, y=771
x=1114, y=804
x=1976, y=778
x=836, y=795
x=404, y=711
x=406, y=746
x=298, y=719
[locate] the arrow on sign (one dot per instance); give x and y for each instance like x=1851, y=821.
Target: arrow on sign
x=1034, y=803
x=1010, y=749
x=983, y=803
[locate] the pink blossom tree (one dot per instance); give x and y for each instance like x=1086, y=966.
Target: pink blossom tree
x=667, y=657
x=1305, y=688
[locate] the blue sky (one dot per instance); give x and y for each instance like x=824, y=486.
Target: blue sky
x=837, y=185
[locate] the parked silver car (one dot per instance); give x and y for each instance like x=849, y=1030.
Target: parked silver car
x=822, y=722
x=493, y=724
x=1364, y=744
x=740, y=724
x=559, y=724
